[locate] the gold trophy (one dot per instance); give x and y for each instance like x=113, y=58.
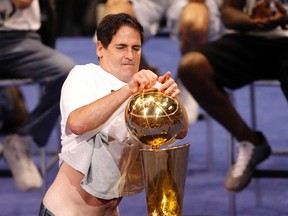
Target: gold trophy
x=154, y=119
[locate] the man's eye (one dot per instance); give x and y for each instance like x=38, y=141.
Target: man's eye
x=137, y=48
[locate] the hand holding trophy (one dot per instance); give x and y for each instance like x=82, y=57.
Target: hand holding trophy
x=154, y=118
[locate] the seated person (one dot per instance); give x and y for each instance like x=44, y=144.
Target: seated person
x=23, y=55
x=254, y=48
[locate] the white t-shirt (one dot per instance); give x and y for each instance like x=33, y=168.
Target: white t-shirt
x=107, y=156
x=26, y=19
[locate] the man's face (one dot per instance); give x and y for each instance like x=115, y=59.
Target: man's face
x=122, y=56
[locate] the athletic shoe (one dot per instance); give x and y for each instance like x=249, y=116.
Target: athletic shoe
x=17, y=155
x=240, y=173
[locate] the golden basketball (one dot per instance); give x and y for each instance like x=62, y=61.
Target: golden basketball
x=153, y=118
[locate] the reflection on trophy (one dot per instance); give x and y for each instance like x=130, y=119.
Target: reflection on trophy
x=154, y=119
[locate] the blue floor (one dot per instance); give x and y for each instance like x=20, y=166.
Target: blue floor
x=204, y=191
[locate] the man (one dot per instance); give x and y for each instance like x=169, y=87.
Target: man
x=99, y=161
x=23, y=55
x=254, y=48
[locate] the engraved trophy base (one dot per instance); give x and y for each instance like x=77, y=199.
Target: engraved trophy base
x=164, y=173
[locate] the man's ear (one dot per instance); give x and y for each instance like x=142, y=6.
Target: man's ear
x=99, y=48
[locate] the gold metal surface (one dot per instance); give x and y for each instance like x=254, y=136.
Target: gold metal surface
x=154, y=118
x=164, y=177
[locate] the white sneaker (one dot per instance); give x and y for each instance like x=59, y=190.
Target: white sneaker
x=241, y=172
x=17, y=155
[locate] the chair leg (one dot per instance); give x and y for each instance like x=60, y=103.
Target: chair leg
x=232, y=204
x=232, y=195
x=258, y=194
x=231, y=156
x=209, y=144
x=43, y=169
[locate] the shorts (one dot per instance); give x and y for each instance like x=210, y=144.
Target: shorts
x=44, y=211
x=150, y=13
x=239, y=59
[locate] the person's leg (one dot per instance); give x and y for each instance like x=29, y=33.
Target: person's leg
x=16, y=149
x=116, y=6
x=46, y=67
x=13, y=111
x=220, y=65
x=200, y=22
x=198, y=76
x=193, y=26
x=205, y=76
x=49, y=69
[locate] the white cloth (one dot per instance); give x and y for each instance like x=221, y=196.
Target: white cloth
x=216, y=27
x=189, y=103
x=107, y=156
x=26, y=19
x=150, y=12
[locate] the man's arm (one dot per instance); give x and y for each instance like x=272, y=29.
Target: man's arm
x=235, y=18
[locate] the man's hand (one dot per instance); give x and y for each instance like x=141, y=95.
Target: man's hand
x=141, y=80
x=266, y=19
x=169, y=86
x=262, y=9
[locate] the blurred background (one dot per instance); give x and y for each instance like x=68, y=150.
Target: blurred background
x=210, y=143
x=78, y=17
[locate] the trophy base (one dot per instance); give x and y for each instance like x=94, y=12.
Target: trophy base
x=164, y=173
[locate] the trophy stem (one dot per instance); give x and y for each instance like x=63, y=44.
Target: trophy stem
x=164, y=173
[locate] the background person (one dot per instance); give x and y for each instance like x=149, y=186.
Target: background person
x=235, y=60
x=23, y=55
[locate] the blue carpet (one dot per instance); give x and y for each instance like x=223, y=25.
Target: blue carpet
x=204, y=192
